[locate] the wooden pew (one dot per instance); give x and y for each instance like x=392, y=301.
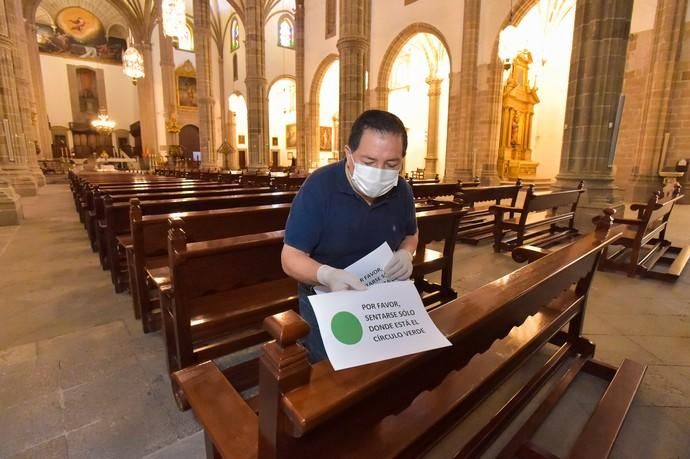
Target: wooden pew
x=436, y=225
x=116, y=221
x=84, y=191
x=538, y=219
x=219, y=293
x=226, y=256
x=644, y=247
x=99, y=204
x=148, y=249
x=401, y=407
x=426, y=195
x=82, y=186
x=289, y=182
x=477, y=224
x=95, y=207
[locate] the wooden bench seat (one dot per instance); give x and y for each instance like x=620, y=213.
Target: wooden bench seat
x=219, y=293
x=117, y=221
x=223, y=312
x=537, y=221
x=644, y=250
x=99, y=198
x=149, y=241
x=477, y=224
x=400, y=407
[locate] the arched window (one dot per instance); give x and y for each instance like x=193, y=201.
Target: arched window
x=185, y=41
x=286, y=33
x=234, y=35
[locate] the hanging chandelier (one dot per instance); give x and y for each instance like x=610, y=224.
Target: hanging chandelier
x=510, y=42
x=103, y=124
x=133, y=64
x=174, y=17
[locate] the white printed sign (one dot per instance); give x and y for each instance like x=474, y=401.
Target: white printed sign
x=385, y=321
x=369, y=268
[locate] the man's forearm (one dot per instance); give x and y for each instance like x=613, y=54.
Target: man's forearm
x=410, y=242
x=299, y=265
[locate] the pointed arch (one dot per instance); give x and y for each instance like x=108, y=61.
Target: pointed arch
x=394, y=49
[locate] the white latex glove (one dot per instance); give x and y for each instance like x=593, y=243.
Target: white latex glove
x=399, y=267
x=338, y=279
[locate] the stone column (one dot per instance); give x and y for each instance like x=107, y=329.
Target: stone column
x=597, y=66
x=257, y=97
x=431, y=159
x=147, y=104
x=336, y=128
x=25, y=92
x=234, y=162
x=202, y=51
x=353, y=50
x=45, y=138
x=462, y=100
x=168, y=84
x=223, y=100
x=312, y=134
x=656, y=111
x=381, y=98
x=15, y=174
x=299, y=96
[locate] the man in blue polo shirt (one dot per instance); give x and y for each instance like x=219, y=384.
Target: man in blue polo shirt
x=347, y=209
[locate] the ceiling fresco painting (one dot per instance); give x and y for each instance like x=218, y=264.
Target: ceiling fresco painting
x=78, y=33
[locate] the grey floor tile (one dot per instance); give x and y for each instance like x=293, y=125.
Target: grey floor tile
x=55, y=448
x=29, y=424
x=191, y=447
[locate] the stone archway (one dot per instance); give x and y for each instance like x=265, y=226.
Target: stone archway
x=313, y=108
x=282, y=119
x=392, y=53
x=487, y=163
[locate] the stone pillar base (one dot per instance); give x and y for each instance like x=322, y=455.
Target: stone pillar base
x=642, y=187
x=37, y=174
x=600, y=192
x=11, y=211
x=22, y=181
x=488, y=175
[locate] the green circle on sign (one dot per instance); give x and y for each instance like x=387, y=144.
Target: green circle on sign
x=346, y=328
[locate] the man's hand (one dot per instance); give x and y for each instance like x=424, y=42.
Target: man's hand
x=338, y=279
x=399, y=267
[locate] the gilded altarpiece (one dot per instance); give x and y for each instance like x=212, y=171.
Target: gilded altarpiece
x=519, y=99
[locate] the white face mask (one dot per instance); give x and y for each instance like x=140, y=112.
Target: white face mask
x=372, y=181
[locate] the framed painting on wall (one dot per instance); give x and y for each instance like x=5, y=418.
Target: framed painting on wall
x=274, y=141
x=186, y=92
x=326, y=138
x=290, y=136
x=185, y=77
x=241, y=140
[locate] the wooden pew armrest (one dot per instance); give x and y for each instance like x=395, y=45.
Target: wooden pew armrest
x=529, y=253
x=627, y=221
x=231, y=424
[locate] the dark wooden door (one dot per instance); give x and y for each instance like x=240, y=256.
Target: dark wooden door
x=243, y=159
x=189, y=140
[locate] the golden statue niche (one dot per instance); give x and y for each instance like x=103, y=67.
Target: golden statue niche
x=519, y=99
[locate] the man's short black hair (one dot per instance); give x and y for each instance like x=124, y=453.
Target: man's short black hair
x=378, y=120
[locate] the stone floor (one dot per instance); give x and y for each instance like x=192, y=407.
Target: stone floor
x=78, y=378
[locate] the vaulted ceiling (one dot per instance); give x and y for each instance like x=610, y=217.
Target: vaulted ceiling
x=104, y=10
x=137, y=15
